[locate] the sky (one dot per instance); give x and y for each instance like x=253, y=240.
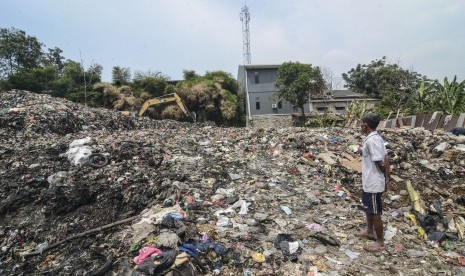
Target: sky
x=169, y=36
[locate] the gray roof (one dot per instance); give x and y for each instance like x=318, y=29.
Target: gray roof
x=346, y=94
x=261, y=66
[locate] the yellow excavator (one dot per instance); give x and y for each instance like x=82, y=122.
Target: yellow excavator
x=165, y=99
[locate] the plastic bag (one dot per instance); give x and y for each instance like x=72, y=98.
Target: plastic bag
x=80, y=142
x=78, y=153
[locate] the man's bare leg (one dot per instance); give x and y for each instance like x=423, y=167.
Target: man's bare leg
x=370, y=225
x=378, y=227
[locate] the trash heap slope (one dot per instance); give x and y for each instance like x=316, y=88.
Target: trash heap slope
x=254, y=201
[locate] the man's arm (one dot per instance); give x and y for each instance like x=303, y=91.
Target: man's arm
x=384, y=166
x=378, y=151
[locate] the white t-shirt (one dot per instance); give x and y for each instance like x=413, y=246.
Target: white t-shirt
x=373, y=150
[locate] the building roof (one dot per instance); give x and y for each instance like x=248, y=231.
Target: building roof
x=261, y=66
x=346, y=94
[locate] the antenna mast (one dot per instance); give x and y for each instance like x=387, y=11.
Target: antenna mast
x=245, y=18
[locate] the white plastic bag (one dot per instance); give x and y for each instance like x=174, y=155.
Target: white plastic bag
x=80, y=142
x=78, y=153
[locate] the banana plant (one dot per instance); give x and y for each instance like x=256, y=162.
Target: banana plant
x=424, y=99
x=450, y=97
x=355, y=112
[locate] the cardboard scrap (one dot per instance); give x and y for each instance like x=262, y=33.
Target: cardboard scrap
x=355, y=164
x=328, y=157
x=348, y=156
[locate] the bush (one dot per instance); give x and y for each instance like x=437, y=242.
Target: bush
x=324, y=120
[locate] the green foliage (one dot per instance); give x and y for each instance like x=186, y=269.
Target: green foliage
x=226, y=80
x=421, y=101
x=39, y=79
x=24, y=65
x=324, y=120
x=5, y=85
x=120, y=75
x=423, y=98
x=189, y=75
x=170, y=89
x=354, y=113
x=19, y=52
x=75, y=96
x=55, y=59
x=94, y=98
x=24, y=79
x=73, y=72
x=296, y=82
x=94, y=74
x=153, y=83
x=447, y=97
x=450, y=96
x=393, y=85
x=228, y=96
x=74, y=78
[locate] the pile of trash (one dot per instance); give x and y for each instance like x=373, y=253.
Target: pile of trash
x=87, y=191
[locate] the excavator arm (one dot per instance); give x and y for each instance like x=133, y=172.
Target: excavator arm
x=169, y=98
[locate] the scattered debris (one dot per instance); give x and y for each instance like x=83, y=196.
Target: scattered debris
x=155, y=197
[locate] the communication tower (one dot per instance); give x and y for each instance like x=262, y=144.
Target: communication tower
x=245, y=18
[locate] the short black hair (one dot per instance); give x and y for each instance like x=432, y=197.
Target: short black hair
x=372, y=120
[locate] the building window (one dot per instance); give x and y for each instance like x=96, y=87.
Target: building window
x=257, y=80
x=321, y=108
x=257, y=103
x=280, y=104
x=340, y=108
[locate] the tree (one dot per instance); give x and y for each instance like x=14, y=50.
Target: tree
x=152, y=82
x=189, y=75
x=54, y=58
x=450, y=96
x=421, y=101
x=390, y=83
x=120, y=75
x=297, y=82
x=18, y=52
x=75, y=81
x=25, y=80
x=94, y=74
x=447, y=97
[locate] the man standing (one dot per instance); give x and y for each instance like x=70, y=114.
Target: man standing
x=375, y=173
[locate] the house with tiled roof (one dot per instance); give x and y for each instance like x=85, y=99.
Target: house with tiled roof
x=337, y=101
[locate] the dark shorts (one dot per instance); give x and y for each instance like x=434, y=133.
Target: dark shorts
x=372, y=203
